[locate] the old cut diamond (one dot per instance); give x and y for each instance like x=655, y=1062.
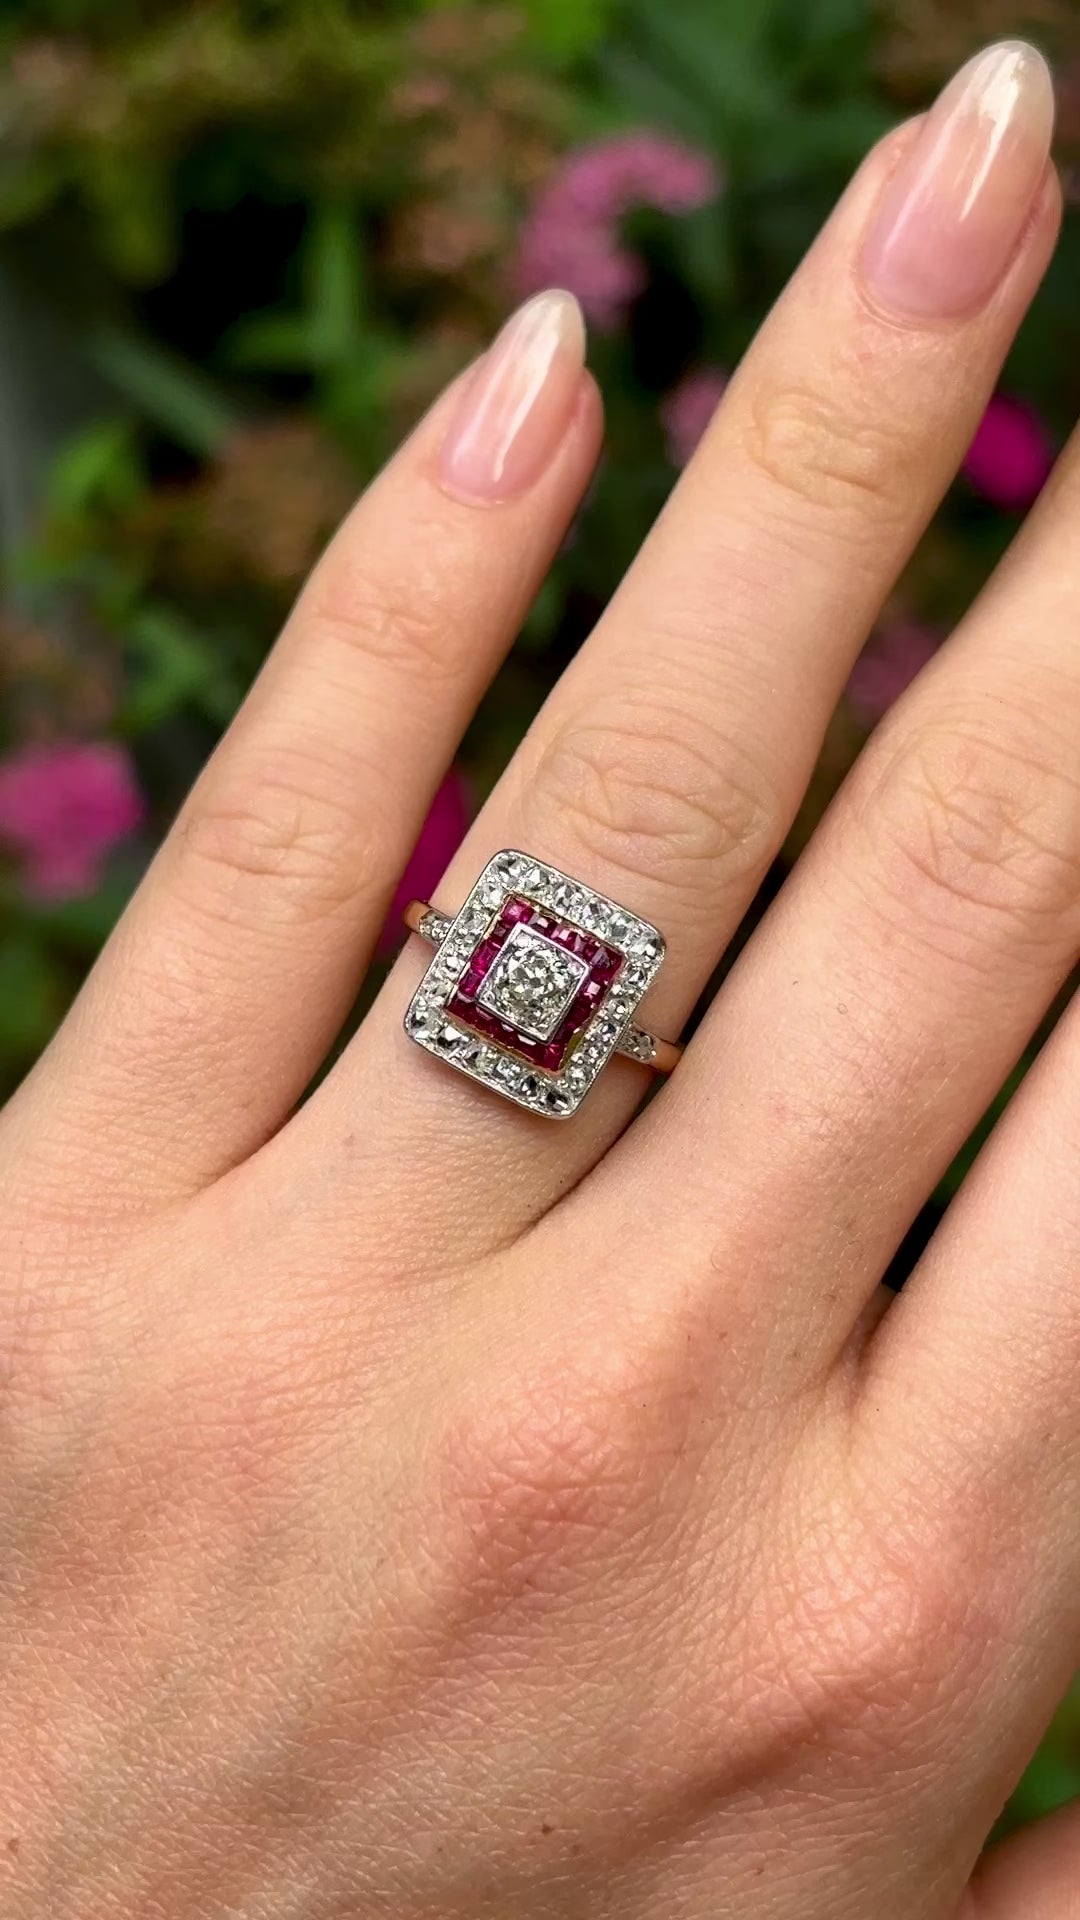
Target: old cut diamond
x=532, y=983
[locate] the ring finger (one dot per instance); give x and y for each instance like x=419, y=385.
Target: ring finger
x=666, y=767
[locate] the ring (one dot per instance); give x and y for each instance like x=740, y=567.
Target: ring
x=534, y=984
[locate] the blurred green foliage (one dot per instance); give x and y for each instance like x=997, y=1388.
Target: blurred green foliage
x=244, y=242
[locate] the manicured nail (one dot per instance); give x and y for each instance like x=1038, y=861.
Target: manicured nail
x=950, y=218
x=518, y=403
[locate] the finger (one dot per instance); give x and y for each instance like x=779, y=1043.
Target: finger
x=967, y=1403
x=907, y=963
x=986, y=1335
x=234, y=968
x=1033, y=1876
x=667, y=765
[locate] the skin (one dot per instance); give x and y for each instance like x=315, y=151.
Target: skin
x=412, y=1509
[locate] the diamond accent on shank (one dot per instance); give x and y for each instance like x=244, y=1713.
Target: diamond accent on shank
x=434, y=926
x=639, y=1045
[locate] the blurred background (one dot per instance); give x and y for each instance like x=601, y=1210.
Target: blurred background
x=244, y=242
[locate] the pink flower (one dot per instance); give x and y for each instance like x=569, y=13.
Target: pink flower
x=571, y=238
x=688, y=409
x=1010, y=458
x=440, y=837
x=63, y=808
x=887, y=665
x=605, y=180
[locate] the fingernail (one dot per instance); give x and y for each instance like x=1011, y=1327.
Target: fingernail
x=518, y=403
x=952, y=215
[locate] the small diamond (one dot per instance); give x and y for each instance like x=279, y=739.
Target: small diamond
x=475, y=918
x=433, y=925
x=557, y=1101
x=568, y=900
x=641, y=1045
x=597, y=917
x=644, y=945
x=454, y=1042
x=424, y=1018
x=534, y=879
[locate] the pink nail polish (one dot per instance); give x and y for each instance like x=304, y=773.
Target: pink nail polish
x=518, y=403
x=951, y=216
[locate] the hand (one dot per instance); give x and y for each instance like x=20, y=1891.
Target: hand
x=414, y=1508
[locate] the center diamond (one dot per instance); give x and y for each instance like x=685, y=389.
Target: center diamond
x=532, y=983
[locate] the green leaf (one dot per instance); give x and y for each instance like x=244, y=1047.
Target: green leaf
x=328, y=332
x=333, y=280
x=564, y=30
x=173, y=396
x=27, y=187
x=31, y=996
x=272, y=343
x=174, y=666
x=99, y=468
x=135, y=211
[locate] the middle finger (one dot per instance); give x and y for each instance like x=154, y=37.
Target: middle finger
x=665, y=768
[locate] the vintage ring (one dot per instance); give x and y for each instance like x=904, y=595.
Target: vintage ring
x=534, y=985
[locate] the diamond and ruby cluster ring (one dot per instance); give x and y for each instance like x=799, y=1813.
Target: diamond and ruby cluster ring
x=535, y=984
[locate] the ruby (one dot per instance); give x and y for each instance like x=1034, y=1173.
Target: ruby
x=486, y=953
x=487, y=1022
x=579, y=1014
x=517, y=909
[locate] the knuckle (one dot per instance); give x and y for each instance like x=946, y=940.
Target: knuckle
x=567, y=1465
x=656, y=796
x=873, y=1647
x=401, y=624
x=826, y=452
x=281, y=830
x=986, y=823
